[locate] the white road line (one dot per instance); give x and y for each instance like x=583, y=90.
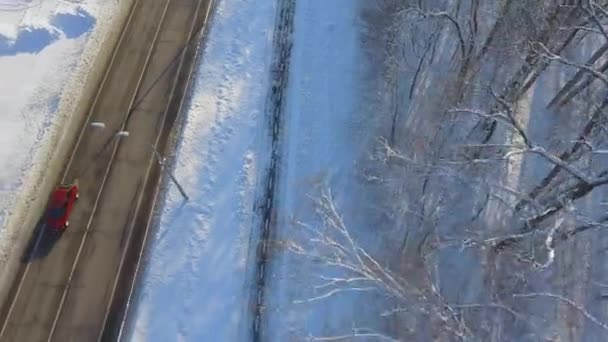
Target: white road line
x=105, y=176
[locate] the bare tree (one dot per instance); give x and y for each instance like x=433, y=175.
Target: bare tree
x=332, y=245
x=348, y=267
x=466, y=192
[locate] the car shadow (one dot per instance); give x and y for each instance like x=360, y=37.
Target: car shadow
x=41, y=243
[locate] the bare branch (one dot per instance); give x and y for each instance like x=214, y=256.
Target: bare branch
x=420, y=63
x=593, y=17
x=580, y=28
x=509, y=112
x=570, y=153
x=395, y=311
x=554, y=160
x=598, y=283
x=560, y=163
x=494, y=116
x=440, y=14
x=596, y=6
x=601, y=223
x=500, y=242
x=340, y=281
x=361, y=272
x=567, y=91
x=334, y=292
x=569, y=302
x=545, y=52
x=490, y=305
x=361, y=333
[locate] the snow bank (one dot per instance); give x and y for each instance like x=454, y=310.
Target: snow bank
x=196, y=283
x=44, y=96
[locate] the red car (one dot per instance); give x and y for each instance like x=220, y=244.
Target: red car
x=61, y=206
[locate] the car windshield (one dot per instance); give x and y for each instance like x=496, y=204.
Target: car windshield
x=57, y=213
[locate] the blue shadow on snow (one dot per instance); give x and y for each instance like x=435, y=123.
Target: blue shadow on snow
x=29, y=41
x=33, y=40
x=74, y=25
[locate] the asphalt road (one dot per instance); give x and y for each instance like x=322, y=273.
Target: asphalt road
x=66, y=288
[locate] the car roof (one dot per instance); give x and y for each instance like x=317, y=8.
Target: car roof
x=59, y=196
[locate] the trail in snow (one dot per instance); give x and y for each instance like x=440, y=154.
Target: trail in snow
x=274, y=110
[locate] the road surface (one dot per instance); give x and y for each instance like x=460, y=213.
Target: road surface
x=65, y=290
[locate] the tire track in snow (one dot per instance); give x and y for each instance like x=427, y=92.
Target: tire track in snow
x=282, y=43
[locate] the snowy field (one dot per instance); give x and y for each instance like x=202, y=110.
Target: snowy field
x=47, y=51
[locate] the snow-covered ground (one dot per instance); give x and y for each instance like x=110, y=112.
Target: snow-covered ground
x=199, y=280
x=47, y=50
x=328, y=130
x=196, y=284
